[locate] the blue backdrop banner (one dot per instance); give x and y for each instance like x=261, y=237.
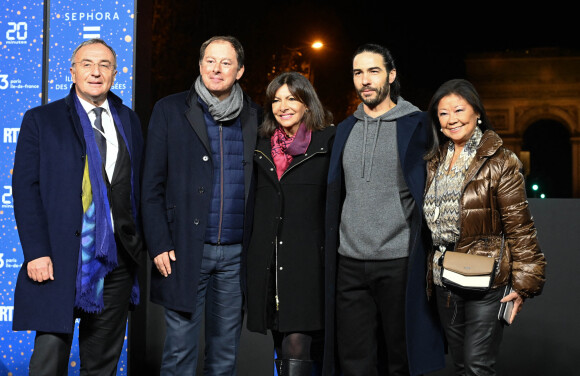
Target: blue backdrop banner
x=22, y=63
x=72, y=22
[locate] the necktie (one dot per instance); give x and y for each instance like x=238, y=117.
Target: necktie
x=100, y=134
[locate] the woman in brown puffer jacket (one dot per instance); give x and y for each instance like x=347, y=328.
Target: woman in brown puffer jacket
x=475, y=202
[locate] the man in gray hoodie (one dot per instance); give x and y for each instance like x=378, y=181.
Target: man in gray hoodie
x=375, y=240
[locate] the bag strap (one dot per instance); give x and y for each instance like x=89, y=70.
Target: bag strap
x=500, y=254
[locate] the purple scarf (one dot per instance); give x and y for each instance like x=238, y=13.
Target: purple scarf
x=284, y=147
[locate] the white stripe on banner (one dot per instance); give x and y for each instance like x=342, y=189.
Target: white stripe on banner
x=91, y=28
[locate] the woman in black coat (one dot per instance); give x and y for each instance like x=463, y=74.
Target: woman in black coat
x=285, y=275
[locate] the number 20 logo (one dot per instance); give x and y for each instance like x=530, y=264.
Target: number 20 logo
x=20, y=29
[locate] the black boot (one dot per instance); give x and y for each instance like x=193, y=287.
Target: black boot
x=294, y=367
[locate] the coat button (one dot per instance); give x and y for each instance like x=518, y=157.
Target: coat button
x=205, y=158
x=281, y=268
x=196, y=221
x=201, y=190
x=281, y=243
x=77, y=233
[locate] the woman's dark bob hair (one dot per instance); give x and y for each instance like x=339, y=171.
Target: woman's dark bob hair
x=465, y=90
x=315, y=118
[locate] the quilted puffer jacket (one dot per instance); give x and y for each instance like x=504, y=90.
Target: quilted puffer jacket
x=494, y=205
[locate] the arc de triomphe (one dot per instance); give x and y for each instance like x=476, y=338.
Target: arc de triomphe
x=520, y=88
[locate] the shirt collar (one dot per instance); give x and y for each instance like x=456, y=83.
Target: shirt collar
x=89, y=106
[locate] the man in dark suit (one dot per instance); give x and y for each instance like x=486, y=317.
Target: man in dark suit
x=76, y=187
x=196, y=184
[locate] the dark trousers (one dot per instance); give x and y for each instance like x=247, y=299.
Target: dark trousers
x=370, y=314
x=101, y=336
x=472, y=330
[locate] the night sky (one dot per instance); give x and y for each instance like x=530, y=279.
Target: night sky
x=429, y=44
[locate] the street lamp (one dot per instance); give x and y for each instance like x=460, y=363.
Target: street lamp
x=317, y=45
x=296, y=59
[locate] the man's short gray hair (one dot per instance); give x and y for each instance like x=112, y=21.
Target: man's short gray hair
x=88, y=43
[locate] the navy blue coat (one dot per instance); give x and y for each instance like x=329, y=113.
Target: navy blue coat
x=424, y=336
x=48, y=173
x=177, y=190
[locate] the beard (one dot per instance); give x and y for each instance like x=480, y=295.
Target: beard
x=382, y=94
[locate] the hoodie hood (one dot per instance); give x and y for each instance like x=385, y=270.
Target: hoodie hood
x=402, y=108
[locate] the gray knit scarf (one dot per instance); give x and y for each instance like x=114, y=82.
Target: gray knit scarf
x=226, y=109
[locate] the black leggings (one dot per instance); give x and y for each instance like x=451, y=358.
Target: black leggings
x=472, y=329
x=298, y=345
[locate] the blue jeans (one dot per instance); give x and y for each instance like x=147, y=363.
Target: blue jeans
x=220, y=291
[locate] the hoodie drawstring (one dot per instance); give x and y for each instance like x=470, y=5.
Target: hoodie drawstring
x=375, y=141
x=364, y=147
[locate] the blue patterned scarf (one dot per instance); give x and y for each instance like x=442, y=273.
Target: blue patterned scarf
x=98, y=250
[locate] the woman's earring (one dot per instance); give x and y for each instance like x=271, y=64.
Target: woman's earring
x=478, y=121
x=441, y=129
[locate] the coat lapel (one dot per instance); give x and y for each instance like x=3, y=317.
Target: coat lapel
x=342, y=132
x=405, y=131
x=75, y=120
x=249, y=120
x=194, y=115
x=125, y=122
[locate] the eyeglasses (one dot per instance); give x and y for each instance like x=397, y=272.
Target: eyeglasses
x=89, y=65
